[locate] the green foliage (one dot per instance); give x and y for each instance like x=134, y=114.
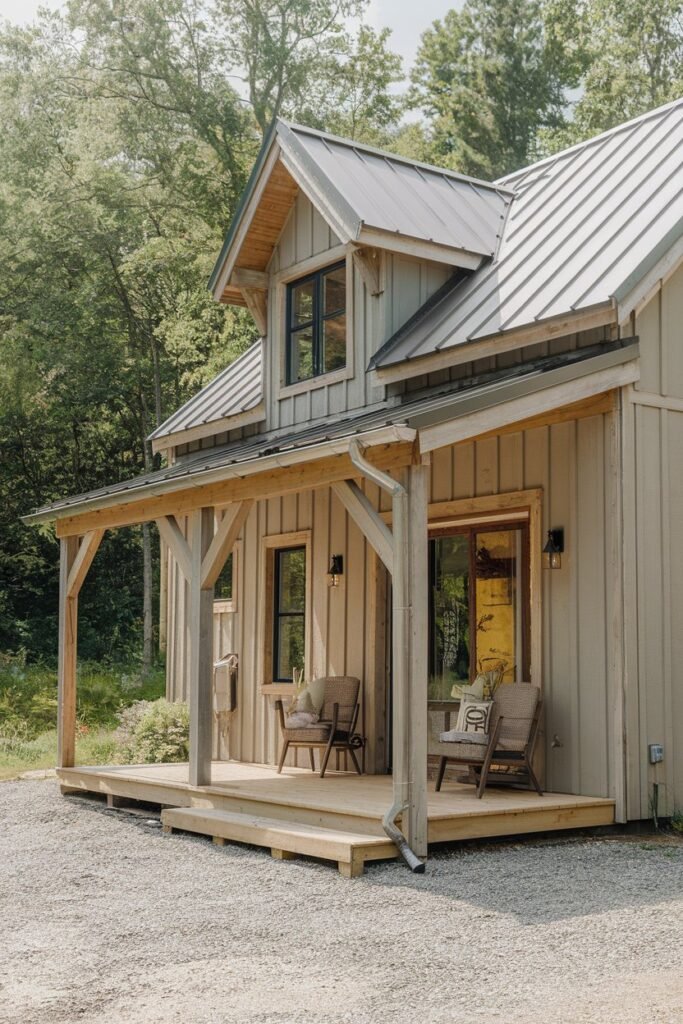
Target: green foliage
x=28, y=696
x=630, y=57
x=489, y=78
x=154, y=732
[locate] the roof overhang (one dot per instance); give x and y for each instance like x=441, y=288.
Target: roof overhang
x=181, y=490
x=497, y=344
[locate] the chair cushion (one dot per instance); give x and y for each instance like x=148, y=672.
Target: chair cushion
x=461, y=751
x=455, y=736
x=312, y=734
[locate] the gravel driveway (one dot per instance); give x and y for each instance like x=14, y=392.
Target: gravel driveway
x=104, y=919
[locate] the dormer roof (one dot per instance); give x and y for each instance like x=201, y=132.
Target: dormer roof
x=367, y=196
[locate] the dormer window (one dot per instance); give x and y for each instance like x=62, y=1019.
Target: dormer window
x=316, y=324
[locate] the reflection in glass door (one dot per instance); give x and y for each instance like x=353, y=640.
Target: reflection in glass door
x=478, y=606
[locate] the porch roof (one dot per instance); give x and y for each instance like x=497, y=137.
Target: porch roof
x=537, y=383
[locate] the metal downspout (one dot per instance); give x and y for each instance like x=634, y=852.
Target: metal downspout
x=401, y=613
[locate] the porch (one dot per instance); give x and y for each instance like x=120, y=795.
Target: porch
x=338, y=818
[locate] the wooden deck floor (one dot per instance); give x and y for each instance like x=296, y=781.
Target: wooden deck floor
x=341, y=801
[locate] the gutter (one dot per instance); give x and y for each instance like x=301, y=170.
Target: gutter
x=400, y=617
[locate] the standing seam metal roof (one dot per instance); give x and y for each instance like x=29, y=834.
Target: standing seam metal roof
x=580, y=224
x=237, y=389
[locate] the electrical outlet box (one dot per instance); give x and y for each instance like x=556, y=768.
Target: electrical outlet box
x=656, y=752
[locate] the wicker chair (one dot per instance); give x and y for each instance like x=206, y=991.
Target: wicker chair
x=510, y=742
x=334, y=730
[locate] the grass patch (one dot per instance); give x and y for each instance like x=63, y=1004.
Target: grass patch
x=28, y=712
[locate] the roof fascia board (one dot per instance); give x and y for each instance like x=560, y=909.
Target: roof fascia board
x=531, y=334
x=527, y=397
x=651, y=274
x=424, y=250
x=210, y=429
x=252, y=467
x=222, y=272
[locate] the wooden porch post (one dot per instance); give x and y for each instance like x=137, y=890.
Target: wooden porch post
x=410, y=653
x=76, y=555
x=200, y=649
x=66, y=684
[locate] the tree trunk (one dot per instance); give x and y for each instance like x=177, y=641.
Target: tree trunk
x=147, y=607
x=163, y=596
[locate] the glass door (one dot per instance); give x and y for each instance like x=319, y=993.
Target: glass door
x=478, y=606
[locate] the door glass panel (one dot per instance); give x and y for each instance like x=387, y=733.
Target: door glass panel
x=292, y=580
x=449, y=638
x=290, y=646
x=498, y=600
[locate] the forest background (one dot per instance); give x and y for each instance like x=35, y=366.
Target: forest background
x=127, y=132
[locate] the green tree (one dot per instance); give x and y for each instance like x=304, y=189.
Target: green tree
x=489, y=78
x=630, y=54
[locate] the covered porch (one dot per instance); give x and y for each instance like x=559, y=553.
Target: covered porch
x=338, y=818
x=380, y=483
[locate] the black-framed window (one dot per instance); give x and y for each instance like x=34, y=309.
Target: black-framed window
x=316, y=324
x=289, y=612
x=223, y=588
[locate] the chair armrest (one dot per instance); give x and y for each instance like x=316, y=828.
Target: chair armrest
x=279, y=707
x=495, y=736
x=354, y=719
x=335, y=718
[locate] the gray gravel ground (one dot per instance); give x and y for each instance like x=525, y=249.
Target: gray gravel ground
x=104, y=919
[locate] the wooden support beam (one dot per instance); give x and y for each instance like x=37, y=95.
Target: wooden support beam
x=368, y=263
x=372, y=526
x=200, y=667
x=224, y=540
x=257, y=304
x=170, y=532
x=410, y=654
x=83, y=560
x=68, y=631
x=269, y=482
x=243, y=278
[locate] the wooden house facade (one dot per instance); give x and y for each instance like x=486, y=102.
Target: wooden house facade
x=448, y=370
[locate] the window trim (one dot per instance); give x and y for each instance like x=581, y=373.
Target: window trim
x=299, y=272
x=270, y=544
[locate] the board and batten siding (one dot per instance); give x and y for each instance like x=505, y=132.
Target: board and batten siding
x=653, y=556
x=406, y=283
x=572, y=463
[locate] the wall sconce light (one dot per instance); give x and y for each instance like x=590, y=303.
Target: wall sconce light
x=552, y=552
x=336, y=570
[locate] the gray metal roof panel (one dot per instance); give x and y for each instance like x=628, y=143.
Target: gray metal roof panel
x=237, y=389
x=580, y=224
x=398, y=196
x=449, y=401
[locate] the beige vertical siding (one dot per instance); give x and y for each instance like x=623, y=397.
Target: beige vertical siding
x=571, y=463
x=653, y=521
x=407, y=283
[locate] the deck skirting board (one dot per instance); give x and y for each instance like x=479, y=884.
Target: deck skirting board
x=299, y=801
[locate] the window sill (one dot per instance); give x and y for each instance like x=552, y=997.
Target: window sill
x=277, y=689
x=302, y=386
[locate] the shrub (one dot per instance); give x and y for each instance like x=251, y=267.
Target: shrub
x=154, y=732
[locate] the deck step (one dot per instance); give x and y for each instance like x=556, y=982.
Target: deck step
x=284, y=838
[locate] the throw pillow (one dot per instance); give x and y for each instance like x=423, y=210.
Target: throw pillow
x=474, y=716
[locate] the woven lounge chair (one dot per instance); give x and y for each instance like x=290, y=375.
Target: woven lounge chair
x=334, y=730
x=510, y=741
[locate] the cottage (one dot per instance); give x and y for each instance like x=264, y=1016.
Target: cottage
x=456, y=381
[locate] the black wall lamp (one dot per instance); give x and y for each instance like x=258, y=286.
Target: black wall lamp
x=552, y=552
x=336, y=570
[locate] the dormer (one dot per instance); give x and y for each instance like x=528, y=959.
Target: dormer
x=334, y=247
